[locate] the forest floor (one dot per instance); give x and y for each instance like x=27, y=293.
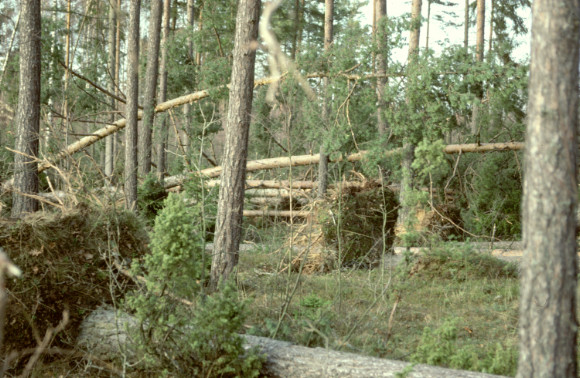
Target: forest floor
x=450, y=305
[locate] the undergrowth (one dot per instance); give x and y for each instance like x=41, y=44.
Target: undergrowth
x=198, y=338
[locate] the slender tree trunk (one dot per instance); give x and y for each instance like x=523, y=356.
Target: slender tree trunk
x=428, y=25
x=45, y=144
x=466, y=26
x=112, y=36
x=161, y=154
x=184, y=134
x=381, y=59
x=150, y=87
x=548, y=322
x=408, y=148
x=233, y=178
x=131, y=138
x=28, y=114
x=297, y=26
x=479, y=49
x=490, y=26
x=328, y=35
x=118, y=38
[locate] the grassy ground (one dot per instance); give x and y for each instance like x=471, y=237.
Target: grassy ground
x=451, y=307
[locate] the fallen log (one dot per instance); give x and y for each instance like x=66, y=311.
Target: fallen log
x=104, y=334
x=300, y=160
x=277, y=213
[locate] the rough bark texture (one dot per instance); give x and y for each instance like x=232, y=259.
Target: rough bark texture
x=408, y=148
x=328, y=35
x=478, y=88
x=112, y=37
x=162, y=138
x=28, y=114
x=104, y=335
x=150, y=87
x=131, y=109
x=233, y=178
x=466, y=25
x=381, y=58
x=548, y=323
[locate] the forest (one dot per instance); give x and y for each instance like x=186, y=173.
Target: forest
x=289, y=188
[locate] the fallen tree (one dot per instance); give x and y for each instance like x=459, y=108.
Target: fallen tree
x=300, y=160
x=104, y=334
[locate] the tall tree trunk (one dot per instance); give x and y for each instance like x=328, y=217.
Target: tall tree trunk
x=479, y=49
x=184, y=134
x=490, y=26
x=45, y=144
x=161, y=154
x=28, y=114
x=233, y=177
x=132, y=106
x=150, y=87
x=328, y=35
x=381, y=59
x=408, y=148
x=112, y=36
x=118, y=38
x=466, y=26
x=428, y=24
x=548, y=323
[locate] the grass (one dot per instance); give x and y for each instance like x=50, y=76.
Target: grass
x=451, y=289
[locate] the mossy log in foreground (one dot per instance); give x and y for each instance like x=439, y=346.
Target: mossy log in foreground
x=103, y=334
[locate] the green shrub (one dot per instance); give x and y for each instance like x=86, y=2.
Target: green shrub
x=151, y=195
x=443, y=347
x=200, y=339
x=495, y=197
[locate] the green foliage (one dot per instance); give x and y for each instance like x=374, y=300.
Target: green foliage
x=430, y=164
x=178, y=267
x=151, y=195
x=315, y=317
x=461, y=262
x=444, y=347
x=495, y=198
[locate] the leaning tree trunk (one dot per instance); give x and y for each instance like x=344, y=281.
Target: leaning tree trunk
x=233, y=177
x=28, y=114
x=104, y=335
x=132, y=106
x=548, y=323
x=150, y=87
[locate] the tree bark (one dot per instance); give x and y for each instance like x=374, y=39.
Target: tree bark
x=233, y=178
x=408, y=148
x=479, y=49
x=150, y=87
x=112, y=36
x=328, y=35
x=104, y=335
x=466, y=25
x=548, y=322
x=381, y=60
x=162, y=138
x=28, y=114
x=132, y=106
